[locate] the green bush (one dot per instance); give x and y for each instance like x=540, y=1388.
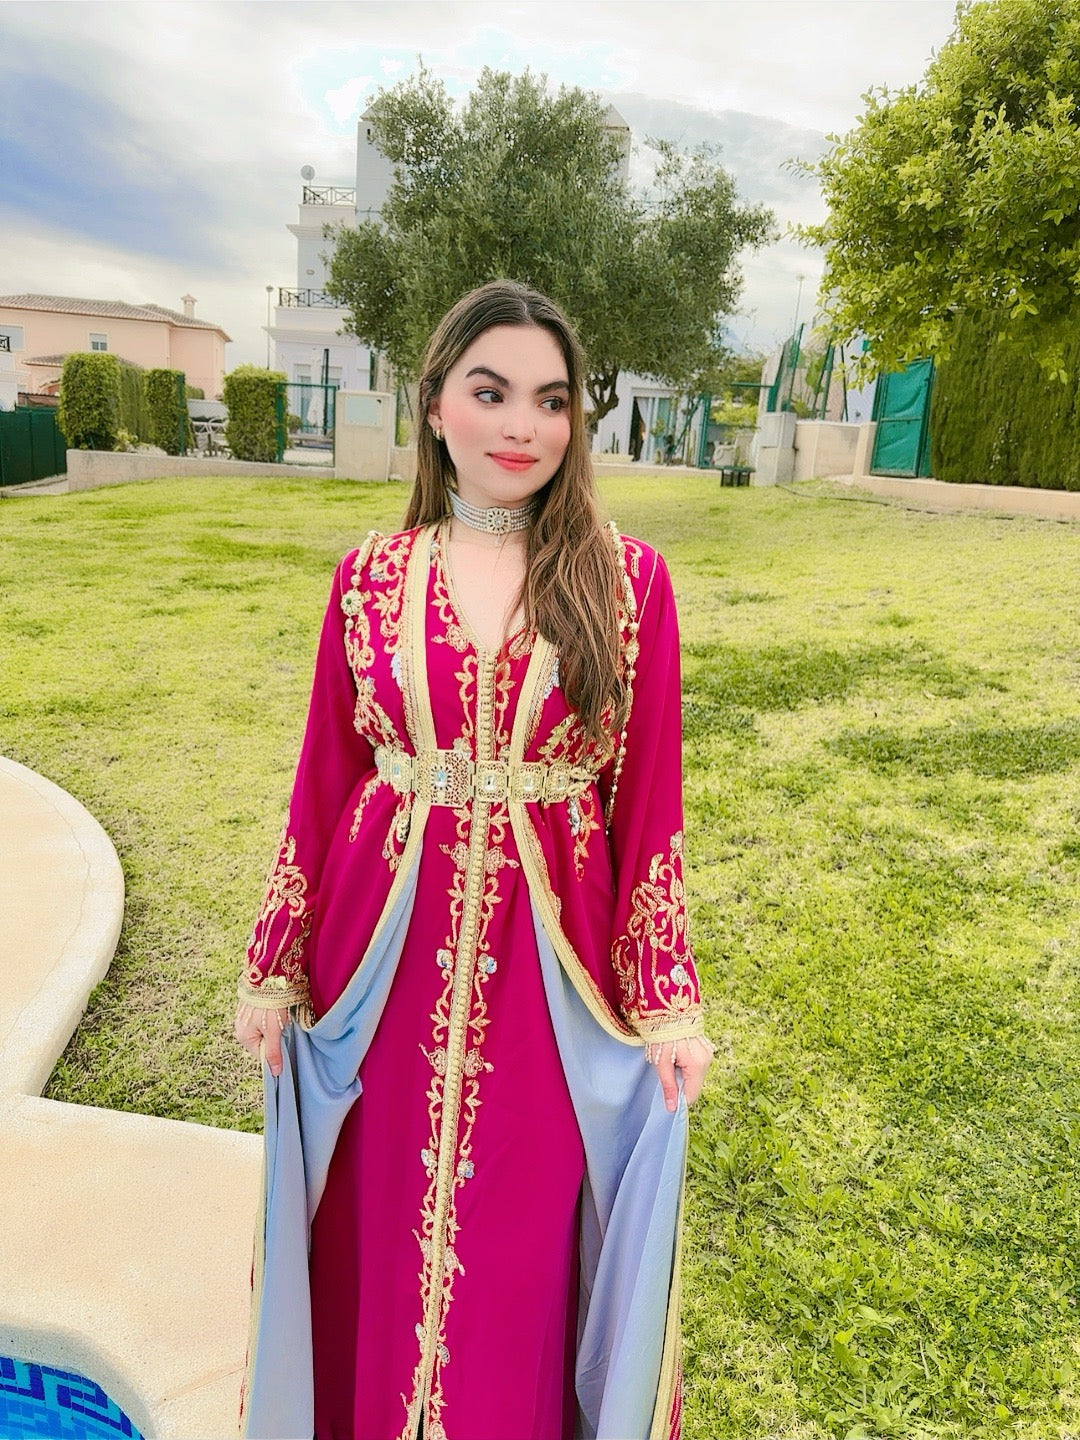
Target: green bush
x=168, y=410
x=251, y=395
x=997, y=418
x=89, y=409
x=134, y=415
x=194, y=392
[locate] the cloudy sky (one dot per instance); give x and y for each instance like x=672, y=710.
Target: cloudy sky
x=151, y=149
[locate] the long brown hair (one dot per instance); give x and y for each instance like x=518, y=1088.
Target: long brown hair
x=572, y=585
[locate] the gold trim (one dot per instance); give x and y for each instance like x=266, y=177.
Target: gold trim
x=464, y=968
x=419, y=720
x=532, y=858
x=669, y=1361
x=258, y=1270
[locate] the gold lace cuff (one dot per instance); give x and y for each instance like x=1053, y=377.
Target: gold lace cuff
x=275, y=993
x=668, y=1025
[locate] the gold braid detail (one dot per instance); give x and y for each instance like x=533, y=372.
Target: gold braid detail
x=631, y=651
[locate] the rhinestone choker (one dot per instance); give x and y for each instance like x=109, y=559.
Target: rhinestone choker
x=496, y=519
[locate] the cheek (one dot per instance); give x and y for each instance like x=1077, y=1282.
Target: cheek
x=465, y=421
x=559, y=433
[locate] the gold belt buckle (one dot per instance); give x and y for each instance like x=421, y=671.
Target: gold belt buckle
x=490, y=781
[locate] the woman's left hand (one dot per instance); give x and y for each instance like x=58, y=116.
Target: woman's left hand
x=693, y=1056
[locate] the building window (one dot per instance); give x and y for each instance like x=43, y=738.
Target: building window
x=13, y=334
x=99, y=342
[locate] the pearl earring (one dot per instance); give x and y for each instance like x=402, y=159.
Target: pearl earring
x=438, y=432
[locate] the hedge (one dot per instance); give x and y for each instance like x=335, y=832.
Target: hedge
x=997, y=418
x=251, y=393
x=134, y=415
x=169, y=418
x=89, y=409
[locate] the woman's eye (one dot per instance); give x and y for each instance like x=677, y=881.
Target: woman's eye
x=555, y=403
x=489, y=397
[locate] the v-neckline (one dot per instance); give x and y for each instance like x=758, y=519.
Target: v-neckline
x=442, y=539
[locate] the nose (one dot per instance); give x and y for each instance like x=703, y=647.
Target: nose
x=518, y=421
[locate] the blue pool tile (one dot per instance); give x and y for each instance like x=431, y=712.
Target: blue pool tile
x=40, y=1401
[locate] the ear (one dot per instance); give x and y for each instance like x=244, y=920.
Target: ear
x=434, y=418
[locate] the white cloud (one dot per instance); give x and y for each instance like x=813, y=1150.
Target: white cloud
x=216, y=107
x=345, y=101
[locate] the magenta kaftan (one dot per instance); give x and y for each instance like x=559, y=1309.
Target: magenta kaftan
x=444, y=1250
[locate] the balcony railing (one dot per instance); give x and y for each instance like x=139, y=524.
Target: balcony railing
x=328, y=195
x=307, y=300
x=5, y=343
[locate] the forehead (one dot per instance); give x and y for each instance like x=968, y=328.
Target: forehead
x=526, y=355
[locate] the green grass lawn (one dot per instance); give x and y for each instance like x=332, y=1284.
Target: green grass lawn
x=883, y=796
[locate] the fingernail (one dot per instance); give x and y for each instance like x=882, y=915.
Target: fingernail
x=671, y=1104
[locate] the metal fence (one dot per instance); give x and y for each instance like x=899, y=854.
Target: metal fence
x=31, y=446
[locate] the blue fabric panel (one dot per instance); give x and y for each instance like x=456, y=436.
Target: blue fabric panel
x=306, y=1106
x=635, y=1157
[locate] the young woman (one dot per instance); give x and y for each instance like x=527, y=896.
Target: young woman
x=477, y=916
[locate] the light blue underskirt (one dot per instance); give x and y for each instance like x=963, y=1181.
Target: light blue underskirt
x=634, y=1156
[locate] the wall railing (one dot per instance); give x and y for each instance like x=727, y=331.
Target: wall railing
x=306, y=299
x=328, y=195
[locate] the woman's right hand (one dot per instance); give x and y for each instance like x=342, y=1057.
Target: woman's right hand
x=254, y=1025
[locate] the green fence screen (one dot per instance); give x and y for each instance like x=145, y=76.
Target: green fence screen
x=902, y=412
x=31, y=446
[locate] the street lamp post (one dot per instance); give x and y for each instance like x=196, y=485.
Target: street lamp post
x=269, y=292
x=798, y=299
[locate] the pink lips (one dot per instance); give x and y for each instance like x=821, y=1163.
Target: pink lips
x=513, y=460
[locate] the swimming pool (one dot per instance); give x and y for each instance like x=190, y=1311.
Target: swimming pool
x=39, y=1402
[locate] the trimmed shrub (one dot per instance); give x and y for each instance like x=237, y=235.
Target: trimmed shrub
x=134, y=415
x=89, y=410
x=997, y=418
x=194, y=392
x=168, y=410
x=251, y=395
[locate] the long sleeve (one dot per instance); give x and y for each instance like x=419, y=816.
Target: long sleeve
x=651, y=951
x=333, y=757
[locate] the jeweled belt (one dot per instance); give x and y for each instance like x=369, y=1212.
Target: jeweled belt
x=447, y=777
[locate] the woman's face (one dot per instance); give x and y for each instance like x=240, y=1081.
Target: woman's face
x=504, y=411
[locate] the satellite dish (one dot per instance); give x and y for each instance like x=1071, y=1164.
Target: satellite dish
x=308, y=173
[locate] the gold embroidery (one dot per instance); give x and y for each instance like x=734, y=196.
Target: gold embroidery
x=365, y=795
x=460, y=1019
x=534, y=865
x=656, y=935
x=286, y=889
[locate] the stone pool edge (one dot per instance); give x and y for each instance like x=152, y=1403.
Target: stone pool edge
x=158, y=1213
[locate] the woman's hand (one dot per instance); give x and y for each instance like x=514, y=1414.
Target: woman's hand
x=693, y=1056
x=254, y=1025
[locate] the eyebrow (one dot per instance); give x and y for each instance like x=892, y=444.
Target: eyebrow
x=502, y=380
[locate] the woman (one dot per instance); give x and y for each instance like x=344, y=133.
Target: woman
x=478, y=900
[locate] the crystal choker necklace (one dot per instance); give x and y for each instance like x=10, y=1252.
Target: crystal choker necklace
x=496, y=519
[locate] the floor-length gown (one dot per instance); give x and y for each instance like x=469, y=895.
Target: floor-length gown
x=448, y=1228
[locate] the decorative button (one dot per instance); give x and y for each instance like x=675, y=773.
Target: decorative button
x=679, y=975
x=466, y=1170
x=488, y=965
x=428, y=1157
x=444, y=959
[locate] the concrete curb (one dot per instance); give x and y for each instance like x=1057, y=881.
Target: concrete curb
x=73, y=851
x=125, y=1239
x=991, y=499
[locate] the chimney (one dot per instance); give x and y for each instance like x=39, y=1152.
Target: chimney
x=188, y=302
